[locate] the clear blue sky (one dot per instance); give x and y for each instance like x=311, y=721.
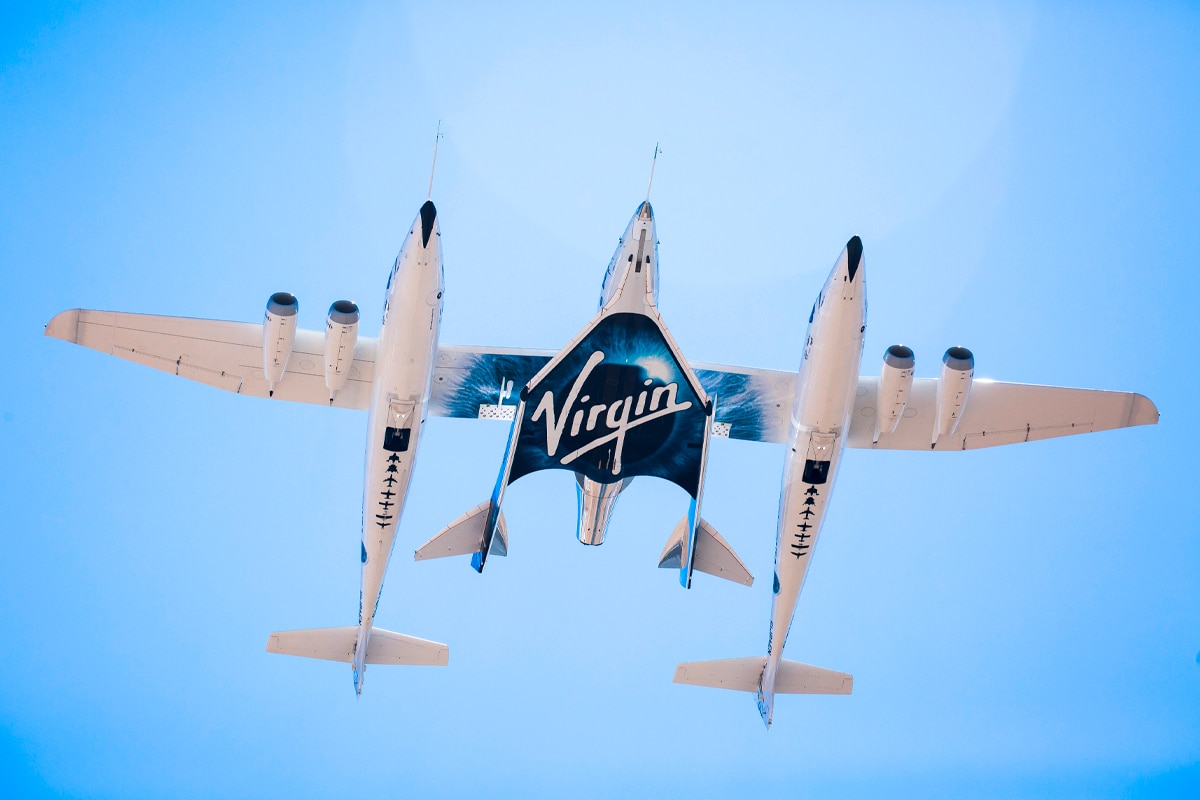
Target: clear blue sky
x=1020, y=621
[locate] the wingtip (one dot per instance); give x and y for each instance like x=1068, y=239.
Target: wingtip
x=1144, y=412
x=64, y=325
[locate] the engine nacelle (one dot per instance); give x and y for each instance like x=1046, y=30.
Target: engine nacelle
x=895, y=381
x=341, y=335
x=279, y=336
x=958, y=367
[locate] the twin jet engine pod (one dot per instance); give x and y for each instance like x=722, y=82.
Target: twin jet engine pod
x=341, y=335
x=279, y=335
x=958, y=367
x=895, y=381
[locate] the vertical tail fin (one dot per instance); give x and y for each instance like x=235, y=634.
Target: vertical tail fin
x=466, y=536
x=713, y=553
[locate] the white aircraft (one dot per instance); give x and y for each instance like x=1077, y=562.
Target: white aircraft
x=391, y=376
x=619, y=401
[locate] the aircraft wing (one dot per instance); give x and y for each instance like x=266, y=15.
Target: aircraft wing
x=484, y=383
x=999, y=413
x=755, y=404
x=227, y=355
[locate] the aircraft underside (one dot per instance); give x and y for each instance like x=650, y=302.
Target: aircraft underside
x=619, y=401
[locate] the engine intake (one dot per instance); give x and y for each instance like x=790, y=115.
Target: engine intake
x=341, y=336
x=954, y=384
x=279, y=336
x=895, y=382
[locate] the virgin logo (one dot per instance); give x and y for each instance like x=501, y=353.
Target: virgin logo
x=610, y=421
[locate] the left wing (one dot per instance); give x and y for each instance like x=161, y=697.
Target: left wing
x=227, y=355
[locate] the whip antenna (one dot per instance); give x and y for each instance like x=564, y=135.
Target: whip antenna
x=653, y=161
x=433, y=166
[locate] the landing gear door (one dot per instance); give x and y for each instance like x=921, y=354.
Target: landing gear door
x=816, y=463
x=397, y=435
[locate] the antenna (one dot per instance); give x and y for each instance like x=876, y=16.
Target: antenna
x=433, y=166
x=653, y=161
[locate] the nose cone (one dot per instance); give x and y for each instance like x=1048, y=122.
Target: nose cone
x=428, y=221
x=645, y=211
x=853, y=255
x=847, y=280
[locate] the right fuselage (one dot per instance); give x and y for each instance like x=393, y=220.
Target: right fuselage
x=825, y=391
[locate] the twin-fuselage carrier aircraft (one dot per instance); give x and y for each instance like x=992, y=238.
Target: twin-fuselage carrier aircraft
x=618, y=402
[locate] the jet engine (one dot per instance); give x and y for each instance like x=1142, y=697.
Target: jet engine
x=895, y=381
x=341, y=335
x=279, y=335
x=958, y=367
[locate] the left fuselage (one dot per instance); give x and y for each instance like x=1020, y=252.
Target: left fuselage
x=825, y=392
x=404, y=364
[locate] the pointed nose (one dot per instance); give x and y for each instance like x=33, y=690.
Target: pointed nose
x=645, y=211
x=428, y=219
x=853, y=255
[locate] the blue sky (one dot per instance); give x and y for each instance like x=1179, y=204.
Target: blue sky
x=1020, y=621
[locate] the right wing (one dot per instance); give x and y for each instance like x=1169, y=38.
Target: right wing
x=998, y=413
x=227, y=355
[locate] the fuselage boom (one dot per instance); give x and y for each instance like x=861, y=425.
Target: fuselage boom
x=404, y=362
x=825, y=390
x=630, y=285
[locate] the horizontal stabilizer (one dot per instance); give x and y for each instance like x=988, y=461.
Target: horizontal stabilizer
x=387, y=647
x=744, y=674
x=464, y=536
x=337, y=644
x=713, y=553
